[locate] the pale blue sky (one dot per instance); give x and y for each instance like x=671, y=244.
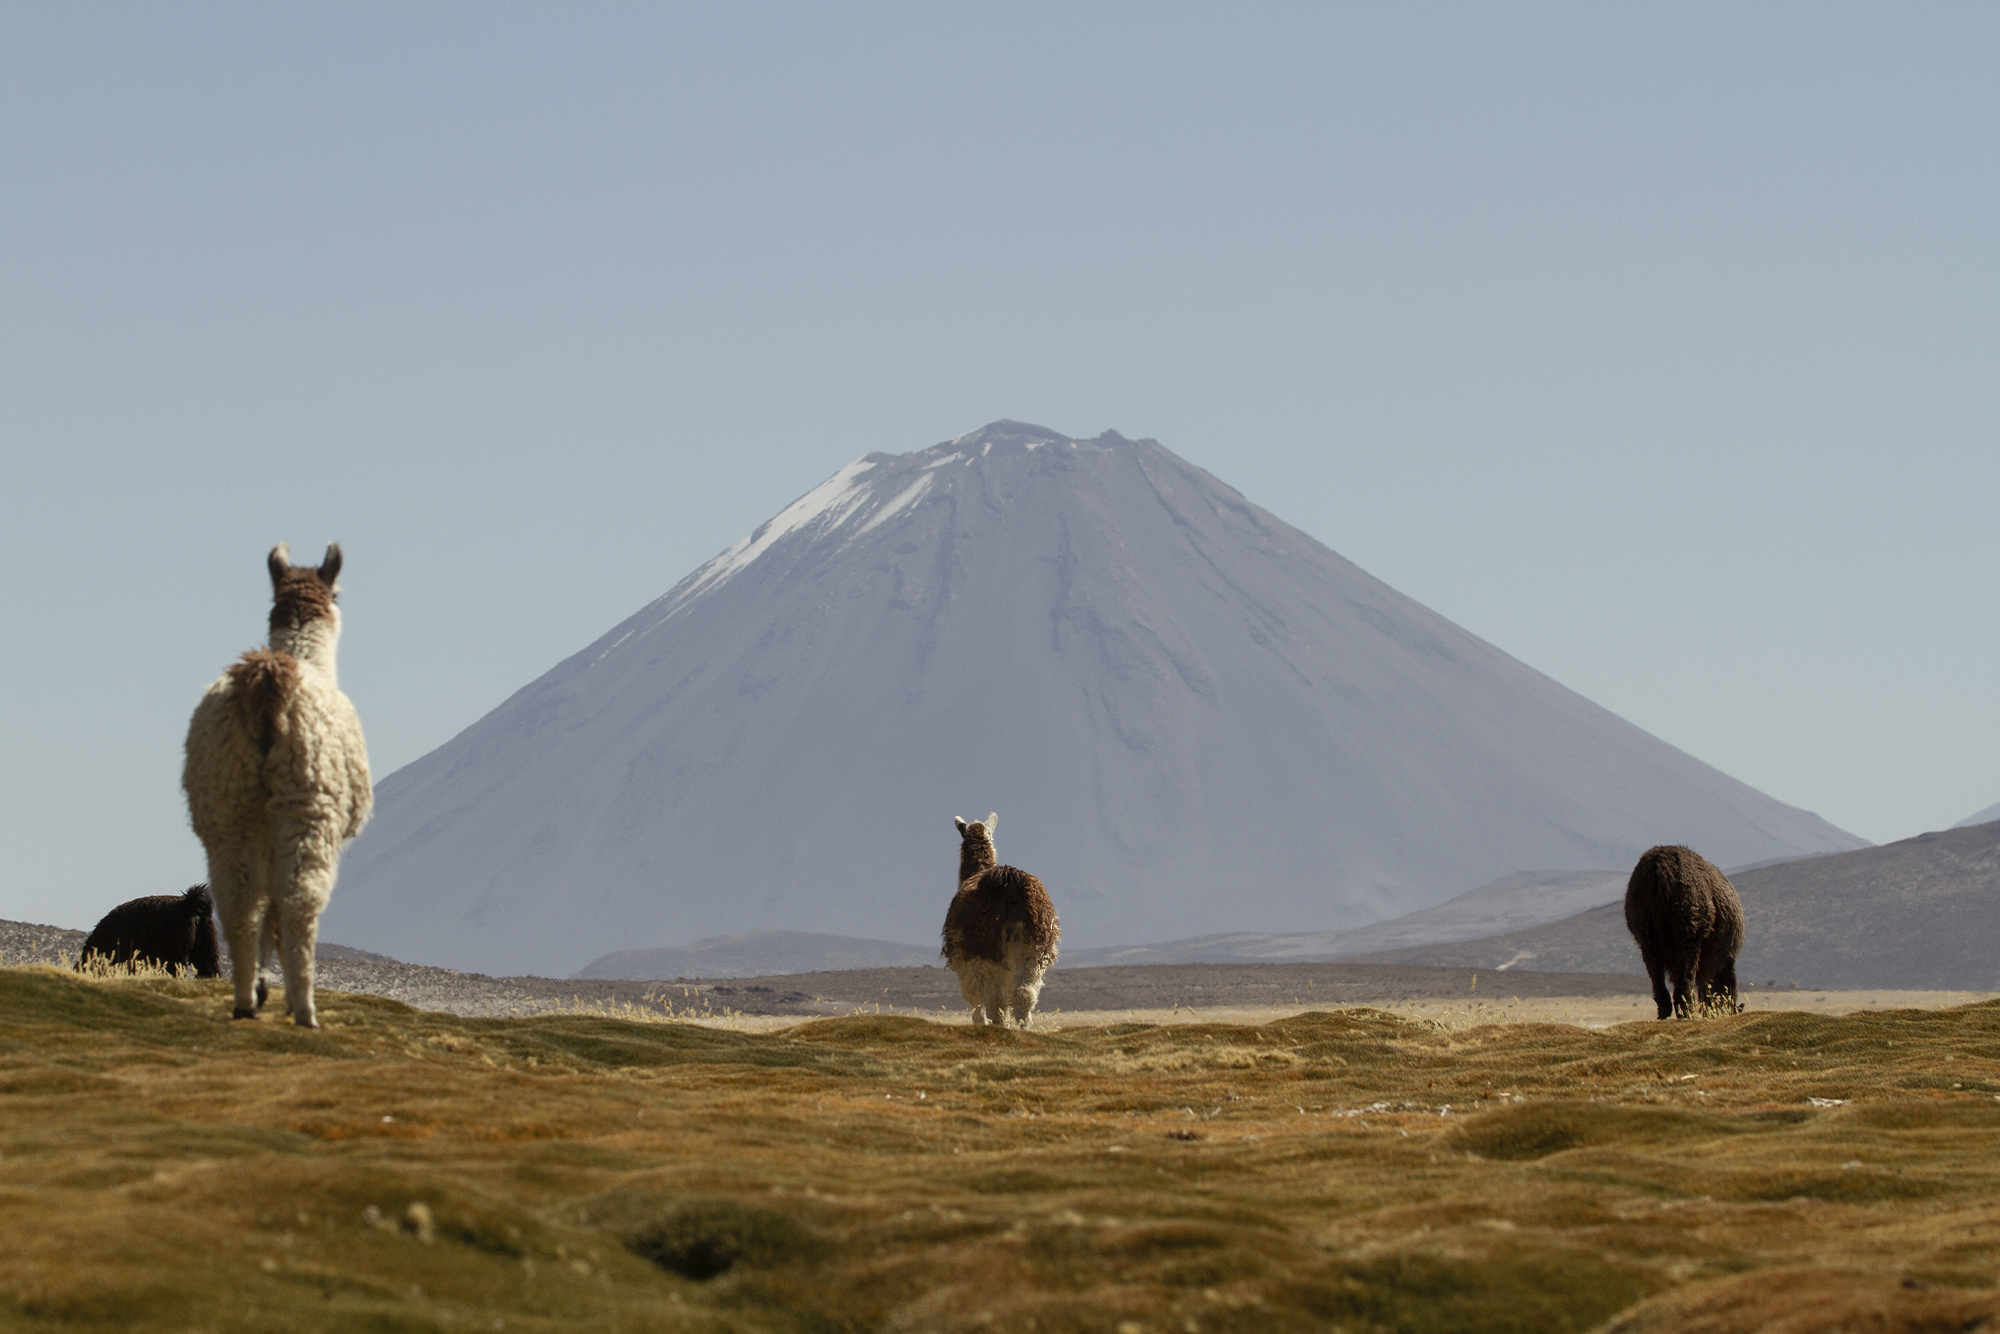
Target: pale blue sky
x=1658, y=345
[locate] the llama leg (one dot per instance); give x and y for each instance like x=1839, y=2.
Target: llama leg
x=267, y=928
x=1026, y=989
x=1725, y=981
x=245, y=928
x=968, y=987
x=1687, y=981
x=1718, y=986
x=984, y=984
x=301, y=885
x=1017, y=967
x=240, y=908
x=1701, y=984
x=993, y=995
x=1024, y=1004
x=298, y=932
x=268, y=946
x=1650, y=955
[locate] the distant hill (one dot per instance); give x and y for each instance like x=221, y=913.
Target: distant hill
x=37, y=942
x=1987, y=816
x=761, y=954
x=1922, y=913
x=1524, y=899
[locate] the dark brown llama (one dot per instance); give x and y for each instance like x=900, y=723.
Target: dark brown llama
x=174, y=930
x=1000, y=933
x=1688, y=923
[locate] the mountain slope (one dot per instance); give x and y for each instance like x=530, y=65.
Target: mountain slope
x=1923, y=913
x=1191, y=716
x=761, y=954
x=1511, y=903
x=1986, y=816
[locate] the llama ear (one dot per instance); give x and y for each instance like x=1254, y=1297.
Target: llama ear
x=992, y=823
x=280, y=562
x=329, y=569
x=960, y=823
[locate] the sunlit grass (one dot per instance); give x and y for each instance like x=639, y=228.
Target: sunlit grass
x=663, y=1006
x=99, y=968
x=164, y=1168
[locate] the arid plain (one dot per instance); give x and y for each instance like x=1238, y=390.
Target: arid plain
x=163, y=1168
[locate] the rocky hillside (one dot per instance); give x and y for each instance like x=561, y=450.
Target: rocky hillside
x=1922, y=913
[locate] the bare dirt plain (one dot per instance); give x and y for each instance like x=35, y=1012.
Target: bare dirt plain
x=163, y=1168
x=1151, y=993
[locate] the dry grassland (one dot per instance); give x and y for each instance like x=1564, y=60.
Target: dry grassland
x=1582, y=1011
x=162, y=1168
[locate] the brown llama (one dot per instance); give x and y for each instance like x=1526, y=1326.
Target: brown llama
x=277, y=783
x=1688, y=923
x=176, y=931
x=1000, y=933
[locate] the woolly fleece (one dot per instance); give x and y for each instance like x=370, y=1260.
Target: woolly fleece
x=277, y=783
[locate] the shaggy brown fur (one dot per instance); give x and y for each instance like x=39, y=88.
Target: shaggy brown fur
x=1688, y=923
x=976, y=924
x=1001, y=931
x=174, y=930
x=265, y=683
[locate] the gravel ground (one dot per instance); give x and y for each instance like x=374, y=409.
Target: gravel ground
x=1151, y=993
x=931, y=991
x=27, y=942
x=343, y=969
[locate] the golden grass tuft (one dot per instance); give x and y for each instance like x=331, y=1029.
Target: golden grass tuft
x=161, y=1166
x=99, y=968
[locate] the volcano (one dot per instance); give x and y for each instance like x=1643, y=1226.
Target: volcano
x=1192, y=718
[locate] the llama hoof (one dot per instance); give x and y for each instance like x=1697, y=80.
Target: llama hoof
x=305, y=1021
x=240, y=1013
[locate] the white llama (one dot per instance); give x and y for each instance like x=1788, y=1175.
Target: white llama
x=277, y=782
x=1000, y=932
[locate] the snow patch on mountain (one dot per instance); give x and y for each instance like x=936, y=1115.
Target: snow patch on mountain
x=911, y=494
x=828, y=505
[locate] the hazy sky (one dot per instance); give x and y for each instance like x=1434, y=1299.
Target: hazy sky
x=1659, y=345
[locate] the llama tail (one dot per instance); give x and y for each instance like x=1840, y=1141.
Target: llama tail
x=266, y=682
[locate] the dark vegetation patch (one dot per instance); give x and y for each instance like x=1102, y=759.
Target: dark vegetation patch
x=1945, y=1115
x=1539, y=1130
x=1524, y=1289
x=703, y=1237
x=1812, y=1297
